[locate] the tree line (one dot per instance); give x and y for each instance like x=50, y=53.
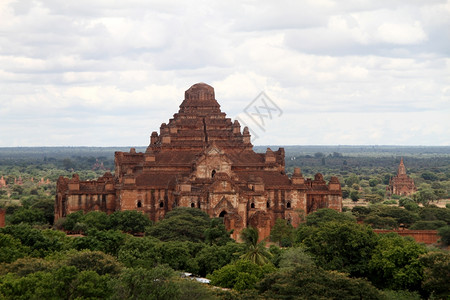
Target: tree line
x=124, y=255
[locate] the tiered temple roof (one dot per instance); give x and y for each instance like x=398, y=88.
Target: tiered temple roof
x=202, y=159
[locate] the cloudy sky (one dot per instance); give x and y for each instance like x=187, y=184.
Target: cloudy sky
x=108, y=73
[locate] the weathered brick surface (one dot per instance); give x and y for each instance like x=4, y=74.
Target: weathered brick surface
x=2, y=217
x=420, y=236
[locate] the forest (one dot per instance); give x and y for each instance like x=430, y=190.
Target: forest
x=330, y=255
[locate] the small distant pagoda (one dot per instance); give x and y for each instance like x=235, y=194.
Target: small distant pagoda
x=401, y=184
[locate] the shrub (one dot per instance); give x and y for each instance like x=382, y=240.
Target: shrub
x=393, y=201
x=428, y=225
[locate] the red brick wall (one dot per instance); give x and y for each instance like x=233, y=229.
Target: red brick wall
x=420, y=236
x=2, y=217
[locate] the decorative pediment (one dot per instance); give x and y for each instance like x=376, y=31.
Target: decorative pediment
x=212, y=150
x=224, y=204
x=223, y=184
x=211, y=161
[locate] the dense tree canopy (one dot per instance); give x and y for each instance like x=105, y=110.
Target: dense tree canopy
x=311, y=282
x=240, y=275
x=282, y=233
x=11, y=248
x=436, y=272
x=342, y=246
x=325, y=215
x=395, y=263
x=181, y=224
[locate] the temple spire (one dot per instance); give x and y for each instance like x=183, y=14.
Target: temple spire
x=401, y=168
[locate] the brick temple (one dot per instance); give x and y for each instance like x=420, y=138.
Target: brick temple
x=401, y=184
x=202, y=159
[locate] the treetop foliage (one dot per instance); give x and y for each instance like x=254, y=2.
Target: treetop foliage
x=324, y=215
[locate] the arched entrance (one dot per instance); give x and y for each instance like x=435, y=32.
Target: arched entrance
x=222, y=214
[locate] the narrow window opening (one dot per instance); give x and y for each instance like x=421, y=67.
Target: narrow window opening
x=192, y=204
x=288, y=205
x=139, y=204
x=161, y=204
x=252, y=205
x=268, y=204
x=213, y=173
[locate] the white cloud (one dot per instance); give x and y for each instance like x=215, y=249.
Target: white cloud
x=402, y=34
x=108, y=73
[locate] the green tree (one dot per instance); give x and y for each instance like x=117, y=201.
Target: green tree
x=40, y=242
x=411, y=206
x=345, y=193
x=11, y=249
x=27, y=215
x=140, y=252
x=429, y=176
x=47, y=206
x=71, y=220
x=319, y=155
x=373, y=198
x=444, y=233
x=282, y=233
x=27, y=265
x=181, y=224
x=179, y=255
x=217, y=233
x=440, y=193
x=311, y=282
x=64, y=283
x=327, y=214
x=424, y=196
x=139, y=283
x=254, y=251
x=108, y=241
x=240, y=275
x=361, y=212
x=296, y=256
x=395, y=263
x=68, y=164
x=211, y=258
x=402, y=216
x=130, y=221
x=433, y=213
x=436, y=273
x=96, y=261
x=191, y=289
x=352, y=179
x=91, y=285
x=374, y=182
x=354, y=195
x=342, y=246
x=378, y=222
x=33, y=286
x=95, y=220
x=428, y=225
